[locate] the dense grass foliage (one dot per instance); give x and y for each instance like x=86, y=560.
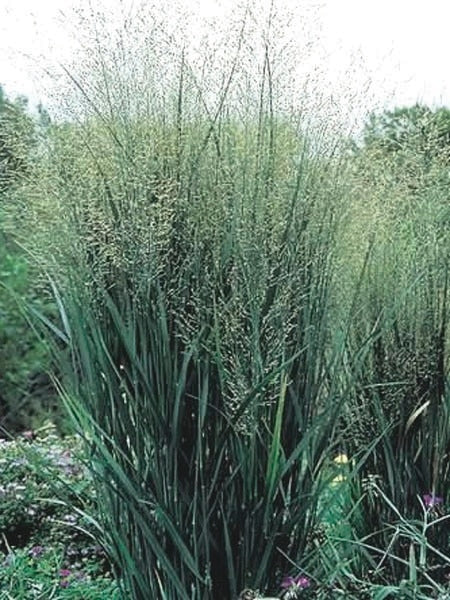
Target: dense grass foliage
x=204, y=358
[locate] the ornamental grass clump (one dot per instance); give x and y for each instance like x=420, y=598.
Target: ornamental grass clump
x=398, y=404
x=194, y=286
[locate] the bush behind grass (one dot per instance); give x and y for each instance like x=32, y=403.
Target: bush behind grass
x=27, y=396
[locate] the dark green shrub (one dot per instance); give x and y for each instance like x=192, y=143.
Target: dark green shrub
x=27, y=396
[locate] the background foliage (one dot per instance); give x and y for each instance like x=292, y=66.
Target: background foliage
x=26, y=394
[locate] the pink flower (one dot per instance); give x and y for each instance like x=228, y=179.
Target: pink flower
x=300, y=581
x=65, y=572
x=36, y=551
x=430, y=500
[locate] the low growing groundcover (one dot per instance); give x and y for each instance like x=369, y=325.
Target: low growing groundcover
x=47, y=546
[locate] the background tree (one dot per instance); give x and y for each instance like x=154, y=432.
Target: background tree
x=17, y=136
x=407, y=149
x=26, y=394
x=417, y=129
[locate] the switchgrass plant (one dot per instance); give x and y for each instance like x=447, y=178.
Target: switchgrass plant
x=399, y=403
x=194, y=287
x=207, y=388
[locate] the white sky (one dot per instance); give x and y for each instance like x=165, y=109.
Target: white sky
x=401, y=46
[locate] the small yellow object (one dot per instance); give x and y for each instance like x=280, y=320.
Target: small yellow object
x=338, y=479
x=341, y=459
